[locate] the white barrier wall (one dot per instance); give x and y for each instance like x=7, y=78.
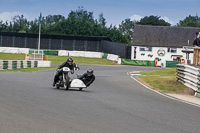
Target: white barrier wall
x=14, y=50
x=63, y=53
x=112, y=57
x=44, y=63
x=87, y=54
x=119, y=61
x=80, y=54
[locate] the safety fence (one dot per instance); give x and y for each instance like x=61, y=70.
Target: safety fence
x=189, y=76
x=65, y=42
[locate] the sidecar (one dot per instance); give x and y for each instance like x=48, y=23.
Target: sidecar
x=77, y=83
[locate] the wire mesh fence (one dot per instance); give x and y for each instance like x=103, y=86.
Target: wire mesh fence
x=64, y=42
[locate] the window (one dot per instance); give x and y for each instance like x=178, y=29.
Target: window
x=146, y=49
x=171, y=50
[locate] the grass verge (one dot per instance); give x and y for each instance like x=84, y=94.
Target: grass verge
x=60, y=59
x=54, y=59
x=29, y=69
x=80, y=60
x=162, y=80
x=8, y=56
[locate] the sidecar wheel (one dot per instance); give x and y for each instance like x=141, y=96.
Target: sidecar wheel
x=80, y=89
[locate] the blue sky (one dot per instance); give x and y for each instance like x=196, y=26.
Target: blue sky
x=115, y=11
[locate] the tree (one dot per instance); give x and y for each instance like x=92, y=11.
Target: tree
x=127, y=28
x=102, y=20
x=190, y=21
x=153, y=20
x=3, y=26
x=20, y=24
x=79, y=22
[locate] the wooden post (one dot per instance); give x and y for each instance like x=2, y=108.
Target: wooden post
x=196, y=56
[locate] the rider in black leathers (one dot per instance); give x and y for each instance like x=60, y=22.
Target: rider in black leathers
x=88, y=78
x=69, y=63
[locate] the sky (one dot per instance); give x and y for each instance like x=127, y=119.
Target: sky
x=114, y=11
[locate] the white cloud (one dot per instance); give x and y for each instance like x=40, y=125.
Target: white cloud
x=7, y=16
x=136, y=17
x=167, y=20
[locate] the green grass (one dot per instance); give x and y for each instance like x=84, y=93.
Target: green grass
x=80, y=60
x=29, y=69
x=54, y=59
x=6, y=56
x=166, y=82
x=60, y=59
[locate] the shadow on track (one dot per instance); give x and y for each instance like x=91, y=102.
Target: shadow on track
x=73, y=89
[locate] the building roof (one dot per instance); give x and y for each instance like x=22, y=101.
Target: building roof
x=163, y=36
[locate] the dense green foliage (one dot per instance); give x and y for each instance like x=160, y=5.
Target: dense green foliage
x=82, y=23
x=190, y=21
x=79, y=22
x=153, y=20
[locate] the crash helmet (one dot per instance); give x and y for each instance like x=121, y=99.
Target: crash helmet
x=70, y=60
x=90, y=71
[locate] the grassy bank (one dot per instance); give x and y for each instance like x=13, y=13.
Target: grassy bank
x=29, y=69
x=54, y=59
x=6, y=56
x=59, y=59
x=80, y=60
x=163, y=80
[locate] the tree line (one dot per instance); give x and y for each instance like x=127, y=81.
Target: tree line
x=82, y=23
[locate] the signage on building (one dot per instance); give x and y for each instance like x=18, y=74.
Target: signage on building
x=161, y=52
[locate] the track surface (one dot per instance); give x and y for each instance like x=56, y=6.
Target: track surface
x=115, y=103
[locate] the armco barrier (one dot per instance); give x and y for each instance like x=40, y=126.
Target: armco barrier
x=16, y=64
x=189, y=76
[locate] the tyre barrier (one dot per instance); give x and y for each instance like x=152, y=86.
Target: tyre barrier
x=189, y=76
x=16, y=64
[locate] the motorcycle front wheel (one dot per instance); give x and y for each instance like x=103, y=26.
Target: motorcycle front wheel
x=57, y=86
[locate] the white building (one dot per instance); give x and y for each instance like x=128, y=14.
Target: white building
x=162, y=42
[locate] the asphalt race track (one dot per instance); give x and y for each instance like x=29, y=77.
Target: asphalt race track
x=115, y=103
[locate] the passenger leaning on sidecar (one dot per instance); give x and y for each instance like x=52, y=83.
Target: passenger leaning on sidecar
x=88, y=77
x=69, y=63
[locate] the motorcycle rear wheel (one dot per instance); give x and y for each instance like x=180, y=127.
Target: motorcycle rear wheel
x=66, y=87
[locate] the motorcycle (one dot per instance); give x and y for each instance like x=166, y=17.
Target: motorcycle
x=66, y=82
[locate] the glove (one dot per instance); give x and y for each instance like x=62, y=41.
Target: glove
x=77, y=67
